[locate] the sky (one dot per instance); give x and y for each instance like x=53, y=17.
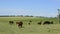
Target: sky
x=47, y=8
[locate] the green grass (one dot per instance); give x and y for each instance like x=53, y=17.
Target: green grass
x=34, y=28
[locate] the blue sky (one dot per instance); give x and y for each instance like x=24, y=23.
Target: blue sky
x=30, y=7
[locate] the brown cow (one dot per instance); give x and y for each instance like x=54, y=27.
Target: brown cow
x=19, y=24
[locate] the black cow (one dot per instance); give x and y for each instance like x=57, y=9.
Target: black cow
x=19, y=24
x=48, y=22
x=11, y=22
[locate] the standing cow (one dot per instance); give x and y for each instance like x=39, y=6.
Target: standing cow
x=19, y=24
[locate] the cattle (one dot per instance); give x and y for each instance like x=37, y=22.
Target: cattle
x=40, y=23
x=11, y=22
x=48, y=22
x=20, y=23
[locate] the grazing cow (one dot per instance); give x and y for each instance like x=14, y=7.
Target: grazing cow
x=48, y=22
x=19, y=24
x=39, y=23
x=11, y=22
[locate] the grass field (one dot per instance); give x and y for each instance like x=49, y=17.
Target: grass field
x=34, y=28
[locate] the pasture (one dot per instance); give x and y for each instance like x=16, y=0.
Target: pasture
x=34, y=28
